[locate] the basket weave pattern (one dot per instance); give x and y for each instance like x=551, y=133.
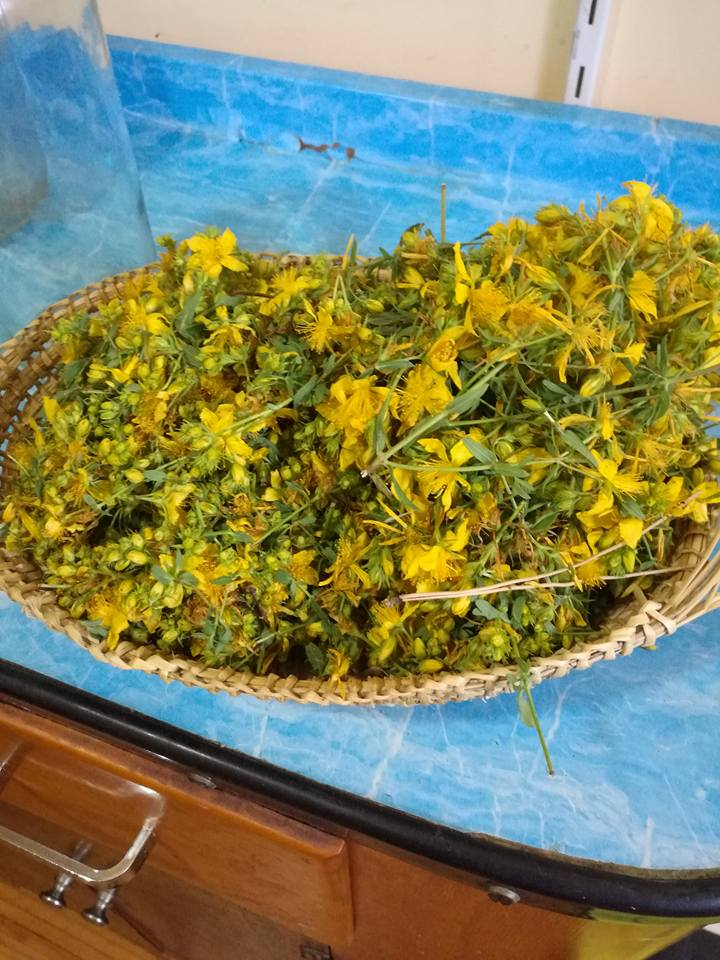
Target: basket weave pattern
x=29, y=368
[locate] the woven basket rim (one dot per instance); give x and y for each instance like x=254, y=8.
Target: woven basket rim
x=27, y=362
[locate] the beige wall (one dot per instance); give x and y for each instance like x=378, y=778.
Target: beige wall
x=661, y=56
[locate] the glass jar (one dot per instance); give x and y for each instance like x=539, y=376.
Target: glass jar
x=71, y=208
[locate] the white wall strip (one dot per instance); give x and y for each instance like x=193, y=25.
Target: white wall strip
x=588, y=40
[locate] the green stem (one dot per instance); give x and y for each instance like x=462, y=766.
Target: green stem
x=524, y=678
x=430, y=422
x=538, y=728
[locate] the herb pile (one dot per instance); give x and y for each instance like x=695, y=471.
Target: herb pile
x=251, y=462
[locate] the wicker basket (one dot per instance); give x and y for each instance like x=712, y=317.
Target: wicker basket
x=29, y=368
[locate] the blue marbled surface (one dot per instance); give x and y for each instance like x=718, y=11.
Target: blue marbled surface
x=634, y=741
x=67, y=173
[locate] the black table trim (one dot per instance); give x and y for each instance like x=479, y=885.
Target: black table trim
x=577, y=885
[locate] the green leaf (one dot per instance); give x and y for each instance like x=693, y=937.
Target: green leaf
x=72, y=370
x=401, y=495
x=282, y=576
x=523, y=705
x=399, y=363
x=481, y=453
x=188, y=579
x=378, y=435
x=224, y=581
x=574, y=441
x=632, y=508
x=238, y=536
x=92, y=502
x=484, y=609
x=555, y=388
x=316, y=658
x=521, y=488
x=162, y=575
x=660, y=407
x=468, y=399
x=185, y=319
x=509, y=470
x=155, y=476
x=518, y=608
x=305, y=390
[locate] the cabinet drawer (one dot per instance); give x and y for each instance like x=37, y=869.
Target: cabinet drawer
x=245, y=854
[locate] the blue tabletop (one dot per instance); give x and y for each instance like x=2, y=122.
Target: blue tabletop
x=634, y=741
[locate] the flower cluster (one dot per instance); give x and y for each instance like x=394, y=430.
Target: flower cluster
x=249, y=460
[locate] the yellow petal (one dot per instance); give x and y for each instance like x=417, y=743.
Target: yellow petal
x=634, y=352
x=51, y=407
x=641, y=291
x=573, y=419
x=53, y=528
x=30, y=525
x=639, y=190
x=433, y=445
x=606, y=421
x=561, y=362
x=631, y=529
x=233, y=263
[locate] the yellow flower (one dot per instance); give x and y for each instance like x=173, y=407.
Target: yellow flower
x=211, y=254
x=614, y=369
x=111, y=615
x=605, y=418
x=428, y=565
x=287, y=284
x=224, y=338
x=414, y=280
x=591, y=573
x=442, y=355
x=319, y=329
x=631, y=529
x=526, y=313
x=602, y=515
x=301, y=567
x=561, y=361
x=658, y=216
x=582, y=284
x=353, y=404
x=388, y=623
x=463, y=283
x=137, y=316
x=488, y=304
x=126, y=371
x=425, y=391
x=641, y=291
x=219, y=423
x=173, y=499
x=628, y=482
x=51, y=408
x=444, y=479
x=346, y=574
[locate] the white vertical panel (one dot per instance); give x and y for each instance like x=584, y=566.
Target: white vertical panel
x=588, y=40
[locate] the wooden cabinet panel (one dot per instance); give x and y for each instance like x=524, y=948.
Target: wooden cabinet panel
x=244, y=854
x=48, y=923
x=29, y=930
x=159, y=914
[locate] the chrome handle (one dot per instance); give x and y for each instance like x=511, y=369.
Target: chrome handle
x=126, y=867
x=56, y=896
x=98, y=913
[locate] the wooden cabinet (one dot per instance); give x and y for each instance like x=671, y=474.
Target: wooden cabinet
x=221, y=870
x=229, y=879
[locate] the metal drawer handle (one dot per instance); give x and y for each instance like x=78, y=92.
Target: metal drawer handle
x=126, y=867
